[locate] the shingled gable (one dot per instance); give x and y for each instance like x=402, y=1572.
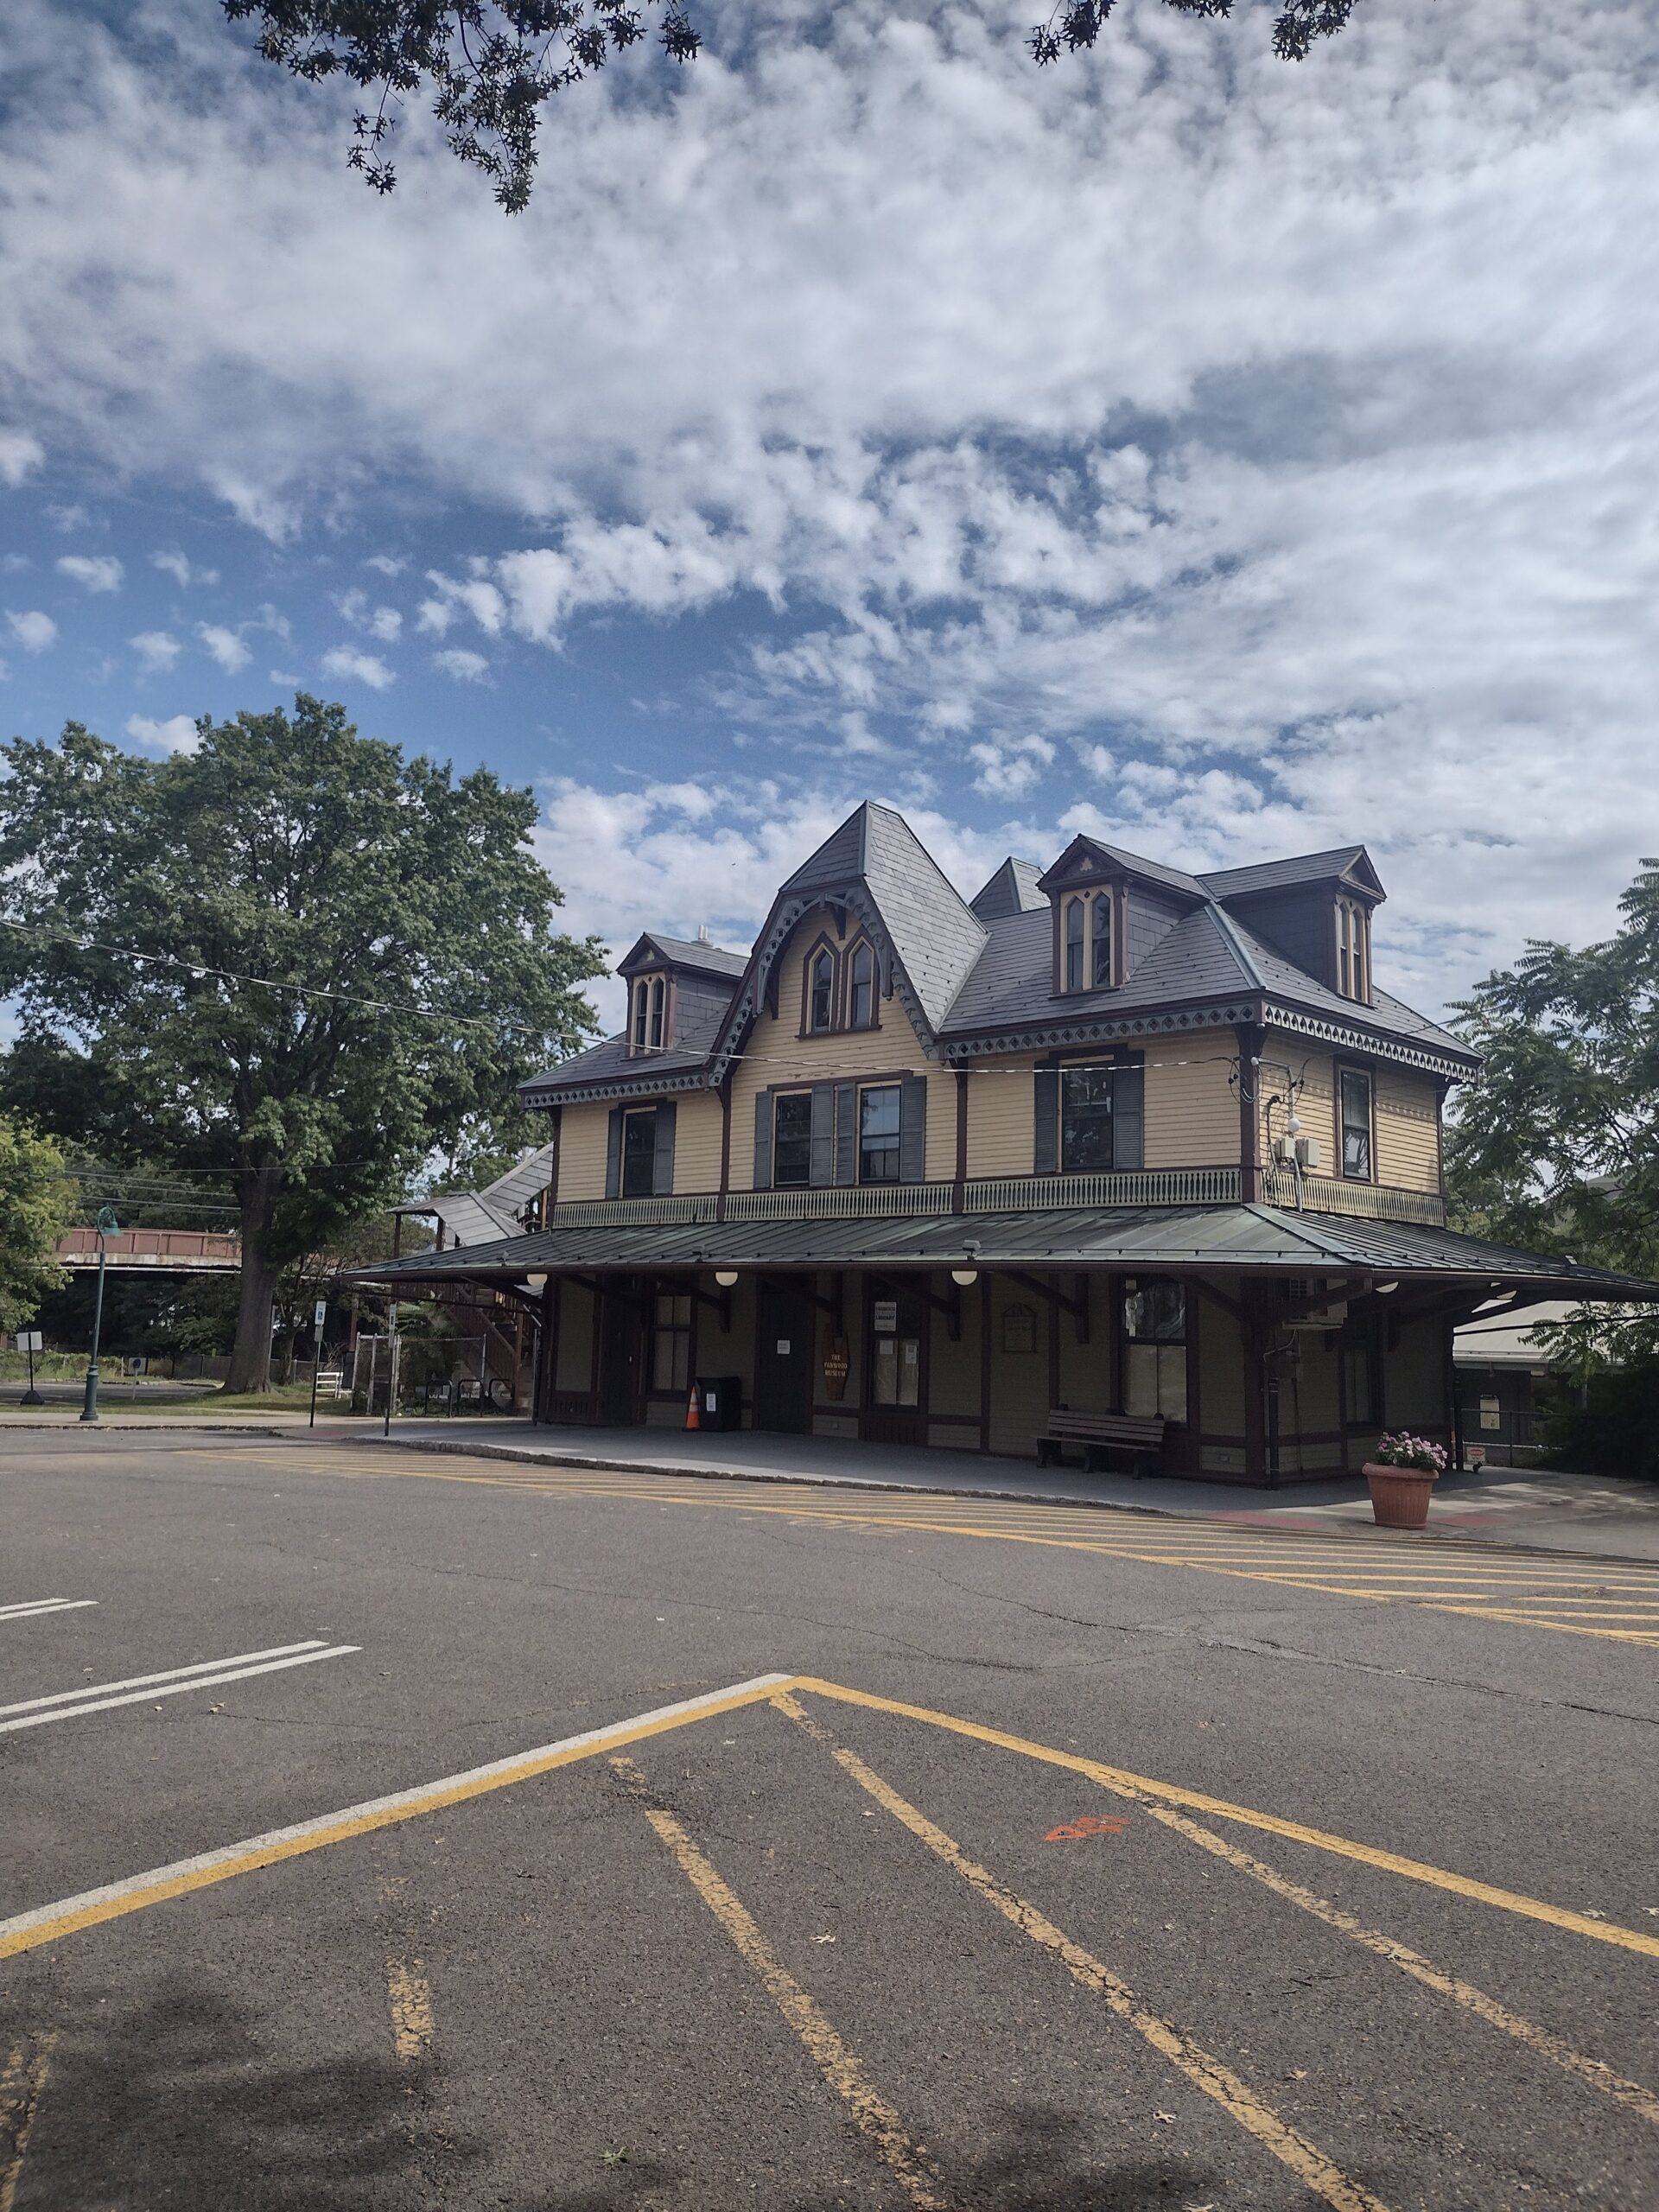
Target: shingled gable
x=1012, y=890
x=876, y=866
x=685, y=956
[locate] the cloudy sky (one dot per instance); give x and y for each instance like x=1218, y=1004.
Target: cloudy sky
x=1229, y=457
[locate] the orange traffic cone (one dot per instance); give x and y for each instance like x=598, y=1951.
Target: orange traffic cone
x=693, y=1410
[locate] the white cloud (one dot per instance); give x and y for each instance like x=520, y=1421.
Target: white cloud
x=1250, y=424
x=20, y=456
x=352, y=666
x=184, y=570
x=178, y=734
x=94, y=572
x=1009, y=767
x=226, y=646
x=34, y=631
x=156, y=649
x=384, y=565
x=383, y=622
x=466, y=667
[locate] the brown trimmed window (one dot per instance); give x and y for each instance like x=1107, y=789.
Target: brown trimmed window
x=821, y=990
x=1353, y=950
x=1086, y=942
x=648, y=1015
x=1354, y=1086
x=860, y=990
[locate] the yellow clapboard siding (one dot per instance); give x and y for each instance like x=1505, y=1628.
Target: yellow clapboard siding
x=583, y=1135
x=1191, y=1110
x=697, y=1141
x=1000, y=1116
x=1407, y=1126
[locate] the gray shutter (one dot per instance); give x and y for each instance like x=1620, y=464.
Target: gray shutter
x=822, y=1168
x=913, y=1130
x=613, y=1155
x=846, y=1133
x=763, y=1141
x=1128, y=1096
x=1045, y=1139
x=661, y=1166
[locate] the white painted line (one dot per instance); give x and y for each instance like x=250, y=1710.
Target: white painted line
x=22, y=1612
x=91, y=1906
x=174, y=1689
x=167, y=1675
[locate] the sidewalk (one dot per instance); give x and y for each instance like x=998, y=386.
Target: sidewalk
x=1603, y=1515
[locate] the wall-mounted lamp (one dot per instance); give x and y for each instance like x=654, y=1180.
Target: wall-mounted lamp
x=1383, y=1289
x=964, y=1276
x=535, y=1282
x=726, y=1277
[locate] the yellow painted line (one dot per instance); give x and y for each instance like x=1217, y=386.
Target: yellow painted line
x=1236, y=2099
x=910, y=2166
x=411, y=2010
x=1599, y=2075
x=22, y=2079
x=26, y=1931
x=1532, y=1620
x=1120, y=1778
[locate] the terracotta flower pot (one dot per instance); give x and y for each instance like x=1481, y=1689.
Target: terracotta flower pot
x=1398, y=1496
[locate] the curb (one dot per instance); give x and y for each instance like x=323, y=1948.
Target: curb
x=441, y=1447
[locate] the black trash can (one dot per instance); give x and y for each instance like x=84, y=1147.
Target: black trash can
x=720, y=1398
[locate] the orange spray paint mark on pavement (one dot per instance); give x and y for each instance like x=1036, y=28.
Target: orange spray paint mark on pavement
x=1089, y=1824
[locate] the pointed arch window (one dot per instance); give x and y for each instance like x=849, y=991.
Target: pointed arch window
x=641, y=1015
x=1353, y=950
x=1086, y=948
x=1077, y=943
x=658, y=1003
x=821, y=990
x=861, y=997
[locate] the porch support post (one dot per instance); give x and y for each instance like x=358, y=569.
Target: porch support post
x=546, y=1353
x=1256, y=1387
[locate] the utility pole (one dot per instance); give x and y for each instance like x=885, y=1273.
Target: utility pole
x=106, y=1225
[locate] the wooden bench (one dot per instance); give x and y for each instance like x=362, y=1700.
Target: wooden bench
x=1140, y=1434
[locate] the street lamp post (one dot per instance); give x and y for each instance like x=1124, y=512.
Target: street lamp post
x=106, y=1225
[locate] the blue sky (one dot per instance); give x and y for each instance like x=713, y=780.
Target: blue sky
x=1229, y=458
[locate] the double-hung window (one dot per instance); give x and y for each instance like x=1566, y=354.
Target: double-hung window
x=860, y=998
x=1356, y=1093
x=1086, y=1120
x=671, y=1342
x=639, y=1153
x=1353, y=948
x=878, y=1133
x=1155, y=1348
x=791, y=1141
x=821, y=991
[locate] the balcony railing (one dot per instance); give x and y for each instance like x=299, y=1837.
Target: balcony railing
x=1149, y=1186
x=597, y=1213
x=838, y=1202
x=1363, y=1201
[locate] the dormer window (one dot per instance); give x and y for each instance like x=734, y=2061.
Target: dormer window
x=1353, y=950
x=648, y=1023
x=821, y=990
x=1086, y=941
x=861, y=997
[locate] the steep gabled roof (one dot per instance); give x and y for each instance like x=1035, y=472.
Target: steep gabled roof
x=1012, y=890
x=1170, y=879
x=1281, y=978
x=1013, y=984
x=1347, y=864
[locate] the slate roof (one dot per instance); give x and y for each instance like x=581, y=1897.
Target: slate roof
x=1224, y=1238
x=693, y=953
x=1013, y=985
x=1012, y=890
x=1283, y=979
x=1279, y=875
x=1173, y=879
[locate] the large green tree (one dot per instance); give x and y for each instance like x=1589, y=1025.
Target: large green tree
x=1557, y=1147
x=36, y=1206
x=290, y=960
x=490, y=67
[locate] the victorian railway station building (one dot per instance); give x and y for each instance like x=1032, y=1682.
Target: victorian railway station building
x=1110, y=1156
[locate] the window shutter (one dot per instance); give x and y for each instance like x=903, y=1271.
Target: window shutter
x=846, y=1133
x=1128, y=1097
x=613, y=1155
x=661, y=1166
x=913, y=1130
x=823, y=1167
x=763, y=1141
x=1045, y=1143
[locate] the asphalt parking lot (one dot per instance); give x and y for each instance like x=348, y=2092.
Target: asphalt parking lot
x=383, y=1830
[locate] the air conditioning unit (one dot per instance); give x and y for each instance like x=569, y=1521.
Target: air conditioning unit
x=1329, y=1315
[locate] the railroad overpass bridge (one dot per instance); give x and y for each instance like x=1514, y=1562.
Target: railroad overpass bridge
x=159, y=1251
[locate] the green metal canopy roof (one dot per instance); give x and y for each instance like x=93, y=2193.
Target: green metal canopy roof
x=1238, y=1239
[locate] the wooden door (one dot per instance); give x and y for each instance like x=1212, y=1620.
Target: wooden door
x=783, y=1358
x=895, y=1367
x=621, y=1356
